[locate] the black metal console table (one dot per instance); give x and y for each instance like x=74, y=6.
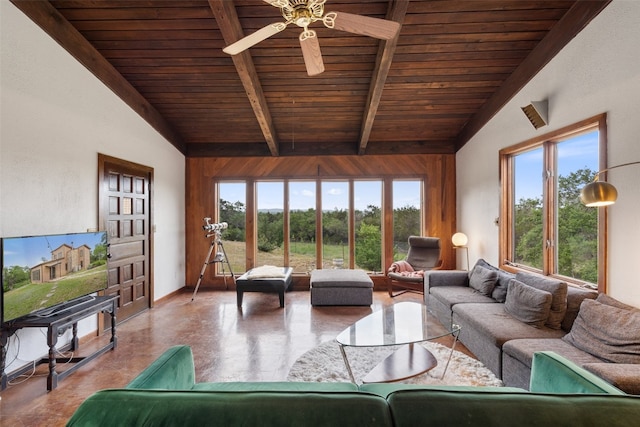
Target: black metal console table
x=56, y=322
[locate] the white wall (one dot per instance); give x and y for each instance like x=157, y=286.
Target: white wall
x=598, y=72
x=55, y=119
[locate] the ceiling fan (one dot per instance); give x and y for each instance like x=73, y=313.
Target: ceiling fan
x=305, y=12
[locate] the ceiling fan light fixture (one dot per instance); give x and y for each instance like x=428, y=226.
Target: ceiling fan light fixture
x=303, y=12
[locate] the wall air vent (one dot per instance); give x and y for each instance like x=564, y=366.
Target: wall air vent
x=537, y=113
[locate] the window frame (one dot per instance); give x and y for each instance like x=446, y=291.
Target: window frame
x=549, y=143
x=386, y=214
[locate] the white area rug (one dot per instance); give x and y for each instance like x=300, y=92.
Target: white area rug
x=325, y=364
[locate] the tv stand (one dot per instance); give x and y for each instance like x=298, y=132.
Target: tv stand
x=62, y=308
x=58, y=322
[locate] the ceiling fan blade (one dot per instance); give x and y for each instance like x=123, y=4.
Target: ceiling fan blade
x=364, y=25
x=311, y=52
x=278, y=3
x=255, y=38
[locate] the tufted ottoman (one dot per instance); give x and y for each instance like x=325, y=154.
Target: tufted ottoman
x=341, y=287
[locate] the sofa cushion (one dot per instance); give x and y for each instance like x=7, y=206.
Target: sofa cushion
x=483, y=280
x=575, y=296
x=607, y=332
x=558, y=291
x=523, y=350
x=343, y=278
x=625, y=376
x=477, y=408
x=252, y=408
x=528, y=304
x=606, y=299
x=493, y=324
x=502, y=286
x=451, y=295
x=499, y=292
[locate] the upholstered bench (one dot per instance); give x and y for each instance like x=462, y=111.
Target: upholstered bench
x=341, y=287
x=265, y=279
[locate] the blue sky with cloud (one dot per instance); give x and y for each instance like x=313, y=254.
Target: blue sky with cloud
x=335, y=194
x=576, y=153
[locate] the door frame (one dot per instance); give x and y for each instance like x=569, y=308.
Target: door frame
x=103, y=207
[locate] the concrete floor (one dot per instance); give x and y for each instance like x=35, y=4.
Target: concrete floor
x=259, y=342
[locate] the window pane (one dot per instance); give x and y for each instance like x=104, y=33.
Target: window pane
x=368, y=224
x=270, y=207
x=528, y=233
x=232, y=210
x=302, y=226
x=335, y=224
x=577, y=225
x=407, y=214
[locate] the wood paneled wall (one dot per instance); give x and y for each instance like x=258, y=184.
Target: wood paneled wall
x=436, y=170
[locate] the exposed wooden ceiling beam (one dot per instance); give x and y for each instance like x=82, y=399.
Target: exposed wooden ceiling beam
x=397, y=11
x=54, y=24
x=574, y=21
x=229, y=24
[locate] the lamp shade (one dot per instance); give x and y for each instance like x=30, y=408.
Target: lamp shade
x=598, y=193
x=459, y=239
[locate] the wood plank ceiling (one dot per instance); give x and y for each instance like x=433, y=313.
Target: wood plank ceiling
x=454, y=64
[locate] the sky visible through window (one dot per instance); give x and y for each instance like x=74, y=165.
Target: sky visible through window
x=303, y=195
x=579, y=152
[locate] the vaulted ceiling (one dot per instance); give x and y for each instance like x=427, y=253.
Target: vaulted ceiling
x=454, y=64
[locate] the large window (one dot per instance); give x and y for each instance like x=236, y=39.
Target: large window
x=527, y=212
x=368, y=225
x=407, y=215
x=545, y=227
x=270, y=212
x=335, y=224
x=302, y=226
x=231, y=209
x=309, y=224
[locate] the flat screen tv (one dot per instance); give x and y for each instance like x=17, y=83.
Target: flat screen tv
x=44, y=274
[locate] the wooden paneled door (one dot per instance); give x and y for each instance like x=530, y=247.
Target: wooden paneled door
x=125, y=212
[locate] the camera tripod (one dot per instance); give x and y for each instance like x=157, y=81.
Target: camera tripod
x=220, y=257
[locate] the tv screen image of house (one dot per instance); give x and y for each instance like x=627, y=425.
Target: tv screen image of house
x=41, y=272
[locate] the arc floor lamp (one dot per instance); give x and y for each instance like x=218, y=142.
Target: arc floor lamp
x=601, y=193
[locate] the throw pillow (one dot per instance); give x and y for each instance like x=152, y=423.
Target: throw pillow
x=556, y=288
x=575, y=296
x=502, y=285
x=500, y=290
x=483, y=280
x=482, y=263
x=607, y=332
x=606, y=299
x=528, y=304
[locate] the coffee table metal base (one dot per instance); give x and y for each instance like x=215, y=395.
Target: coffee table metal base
x=400, y=325
x=408, y=361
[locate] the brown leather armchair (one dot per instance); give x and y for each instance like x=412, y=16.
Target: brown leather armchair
x=408, y=275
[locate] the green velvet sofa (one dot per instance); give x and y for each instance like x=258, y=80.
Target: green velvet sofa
x=166, y=394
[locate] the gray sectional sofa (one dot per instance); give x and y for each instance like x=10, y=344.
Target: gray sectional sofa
x=507, y=317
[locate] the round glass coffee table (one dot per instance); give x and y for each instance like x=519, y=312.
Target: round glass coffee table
x=402, y=324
